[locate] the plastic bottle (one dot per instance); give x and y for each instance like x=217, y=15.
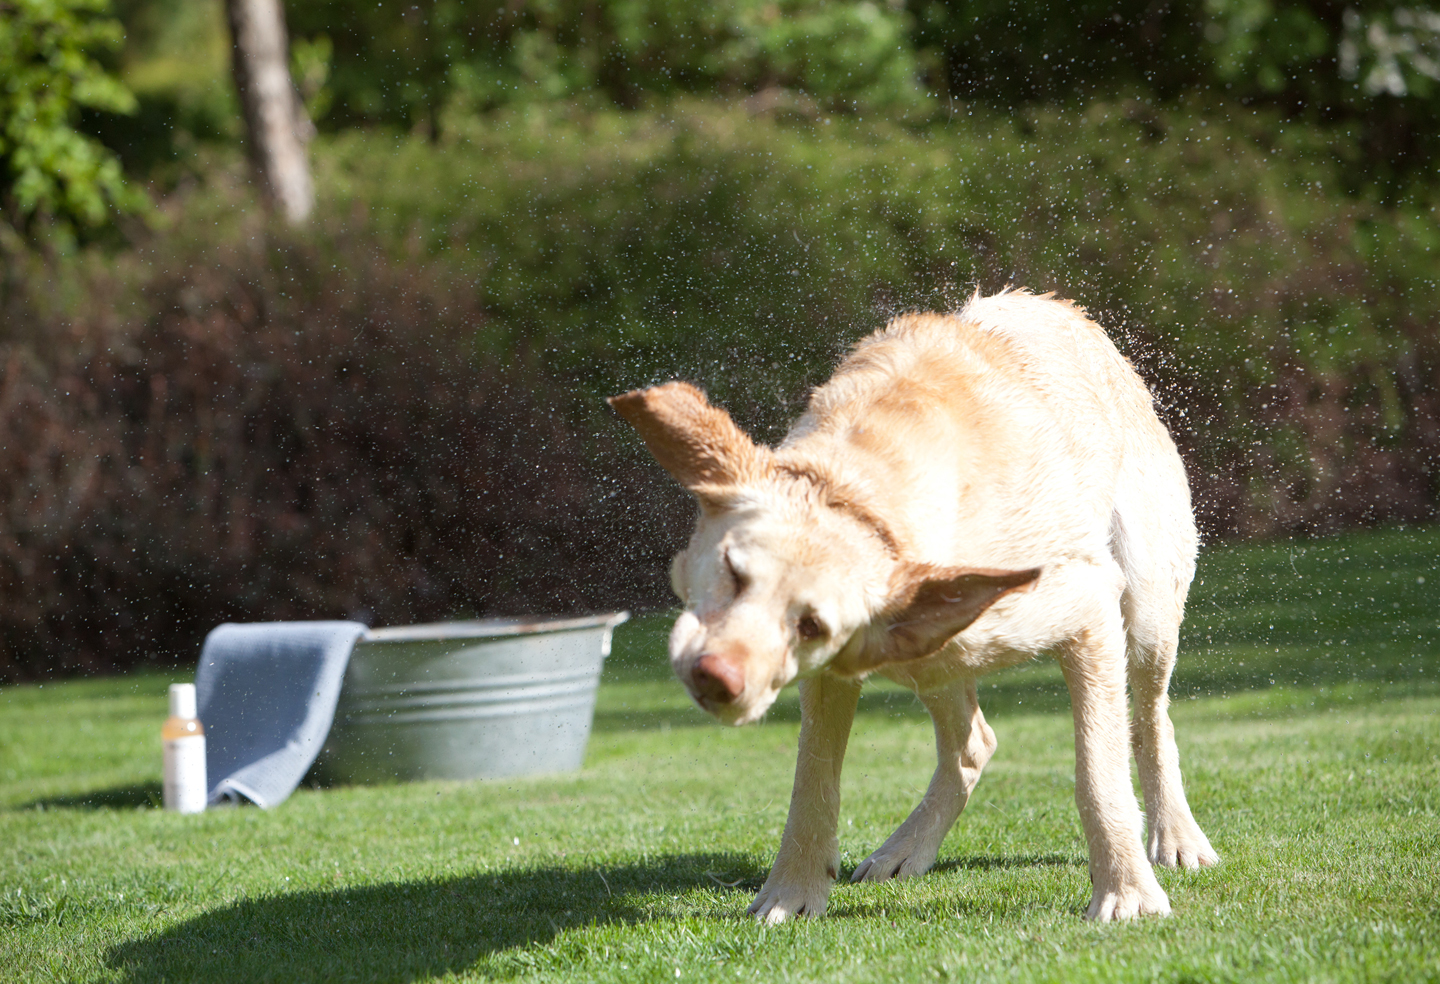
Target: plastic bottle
x=184, y=740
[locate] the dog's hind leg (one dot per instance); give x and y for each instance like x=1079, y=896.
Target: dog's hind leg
x=1174, y=838
x=1153, y=539
x=1124, y=884
x=809, y=859
x=1157, y=557
x=963, y=744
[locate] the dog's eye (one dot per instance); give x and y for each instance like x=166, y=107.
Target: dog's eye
x=740, y=580
x=809, y=628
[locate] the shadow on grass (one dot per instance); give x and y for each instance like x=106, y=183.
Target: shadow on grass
x=116, y=798
x=992, y=862
x=421, y=929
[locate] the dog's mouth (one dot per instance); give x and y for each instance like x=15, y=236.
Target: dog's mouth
x=737, y=712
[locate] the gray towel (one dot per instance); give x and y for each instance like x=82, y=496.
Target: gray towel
x=266, y=694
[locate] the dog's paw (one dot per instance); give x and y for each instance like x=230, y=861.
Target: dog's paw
x=1180, y=844
x=1140, y=897
x=902, y=860
x=780, y=898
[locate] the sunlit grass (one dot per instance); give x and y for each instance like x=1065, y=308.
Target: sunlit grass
x=1311, y=752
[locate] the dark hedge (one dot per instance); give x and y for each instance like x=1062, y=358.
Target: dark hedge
x=279, y=439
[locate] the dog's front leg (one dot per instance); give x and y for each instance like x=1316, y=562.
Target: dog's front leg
x=809, y=858
x=963, y=744
x=1123, y=883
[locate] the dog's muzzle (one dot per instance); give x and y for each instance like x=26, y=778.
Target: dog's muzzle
x=715, y=680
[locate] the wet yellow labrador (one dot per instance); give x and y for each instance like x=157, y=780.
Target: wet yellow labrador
x=968, y=491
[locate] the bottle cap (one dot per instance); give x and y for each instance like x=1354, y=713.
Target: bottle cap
x=182, y=700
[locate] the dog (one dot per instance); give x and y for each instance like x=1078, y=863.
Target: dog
x=969, y=490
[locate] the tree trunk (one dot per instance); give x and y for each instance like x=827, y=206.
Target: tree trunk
x=275, y=121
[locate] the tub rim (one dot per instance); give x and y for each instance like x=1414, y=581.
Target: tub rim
x=486, y=628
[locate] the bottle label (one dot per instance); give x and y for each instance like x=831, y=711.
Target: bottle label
x=185, y=785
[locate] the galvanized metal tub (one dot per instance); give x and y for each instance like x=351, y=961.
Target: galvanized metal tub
x=467, y=700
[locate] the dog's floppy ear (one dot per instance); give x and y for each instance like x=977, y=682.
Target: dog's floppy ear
x=928, y=605
x=695, y=442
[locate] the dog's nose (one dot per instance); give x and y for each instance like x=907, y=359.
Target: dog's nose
x=716, y=679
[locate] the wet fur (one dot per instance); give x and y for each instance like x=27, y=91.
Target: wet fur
x=968, y=491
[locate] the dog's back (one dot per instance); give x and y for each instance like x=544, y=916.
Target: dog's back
x=1009, y=428
x=1152, y=533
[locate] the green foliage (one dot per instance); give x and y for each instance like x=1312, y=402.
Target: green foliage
x=48, y=73
x=1282, y=50
x=1370, y=64
x=1265, y=46
x=1320, y=794
x=176, y=60
x=1396, y=52
x=310, y=61
x=405, y=63
x=1367, y=52
x=1273, y=309
x=1007, y=52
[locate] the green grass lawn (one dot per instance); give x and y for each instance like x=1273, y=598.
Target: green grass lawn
x=1308, y=709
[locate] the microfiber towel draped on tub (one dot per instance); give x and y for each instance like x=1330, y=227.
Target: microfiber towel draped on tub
x=266, y=694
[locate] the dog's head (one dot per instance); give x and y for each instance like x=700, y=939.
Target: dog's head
x=785, y=574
